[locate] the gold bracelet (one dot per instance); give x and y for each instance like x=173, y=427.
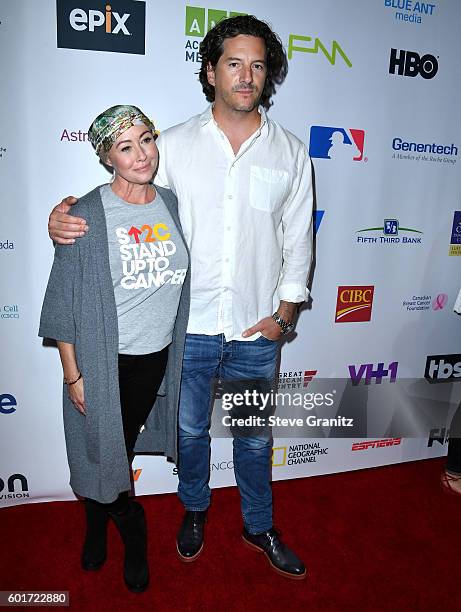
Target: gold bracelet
x=68, y=383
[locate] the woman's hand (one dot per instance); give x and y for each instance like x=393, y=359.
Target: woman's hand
x=77, y=396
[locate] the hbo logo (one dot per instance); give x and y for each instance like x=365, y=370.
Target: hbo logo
x=409, y=63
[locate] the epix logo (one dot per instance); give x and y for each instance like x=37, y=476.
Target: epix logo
x=199, y=21
x=336, y=143
x=117, y=25
x=315, y=47
x=455, y=240
x=442, y=368
x=354, y=303
x=409, y=63
x=368, y=371
x=8, y=403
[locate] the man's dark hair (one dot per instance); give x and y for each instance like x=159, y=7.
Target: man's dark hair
x=212, y=47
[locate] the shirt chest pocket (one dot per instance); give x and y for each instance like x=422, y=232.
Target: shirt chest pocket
x=268, y=188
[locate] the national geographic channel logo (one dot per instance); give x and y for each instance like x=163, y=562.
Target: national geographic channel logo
x=297, y=454
x=199, y=21
x=116, y=25
x=11, y=487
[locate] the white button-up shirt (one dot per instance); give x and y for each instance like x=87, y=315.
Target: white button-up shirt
x=247, y=219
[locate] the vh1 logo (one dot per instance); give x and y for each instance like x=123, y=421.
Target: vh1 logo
x=115, y=25
x=354, y=303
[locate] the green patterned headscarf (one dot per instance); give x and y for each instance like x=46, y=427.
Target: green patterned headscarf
x=110, y=124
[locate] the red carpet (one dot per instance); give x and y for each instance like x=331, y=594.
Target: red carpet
x=379, y=539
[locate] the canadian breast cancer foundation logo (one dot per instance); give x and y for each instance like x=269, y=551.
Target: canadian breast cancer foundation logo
x=354, y=303
x=410, y=11
x=425, y=302
x=368, y=372
x=411, y=64
x=96, y=25
x=455, y=240
x=336, y=143
x=315, y=46
x=199, y=21
x=392, y=233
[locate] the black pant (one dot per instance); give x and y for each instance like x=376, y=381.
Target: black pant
x=139, y=377
x=454, y=444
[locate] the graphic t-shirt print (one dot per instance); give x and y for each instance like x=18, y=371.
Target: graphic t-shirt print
x=145, y=254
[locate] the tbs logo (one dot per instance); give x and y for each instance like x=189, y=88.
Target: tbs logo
x=8, y=403
x=367, y=370
x=336, y=143
x=118, y=26
x=409, y=63
x=443, y=368
x=354, y=303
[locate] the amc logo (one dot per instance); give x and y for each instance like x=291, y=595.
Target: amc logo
x=279, y=456
x=8, y=403
x=117, y=25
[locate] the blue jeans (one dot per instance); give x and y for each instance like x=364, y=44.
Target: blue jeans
x=207, y=358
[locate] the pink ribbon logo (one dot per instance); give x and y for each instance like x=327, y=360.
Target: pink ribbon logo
x=440, y=301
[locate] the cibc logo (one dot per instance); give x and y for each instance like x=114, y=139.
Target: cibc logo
x=354, y=303
x=117, y=25
x=411, y=64
x=11, y=487
x=443, y=368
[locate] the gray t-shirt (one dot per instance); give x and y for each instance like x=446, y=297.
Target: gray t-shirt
x=148, y=264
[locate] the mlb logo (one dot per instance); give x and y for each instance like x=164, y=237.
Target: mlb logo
x=336, y=143
x=354, y=303
x=391, y=227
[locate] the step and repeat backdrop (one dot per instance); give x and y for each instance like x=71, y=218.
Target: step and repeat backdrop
x=372, y=91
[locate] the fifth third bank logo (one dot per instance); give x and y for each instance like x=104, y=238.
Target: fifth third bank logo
x=336, y=143
x=114, y=25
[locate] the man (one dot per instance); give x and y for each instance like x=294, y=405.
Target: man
x=245, y=203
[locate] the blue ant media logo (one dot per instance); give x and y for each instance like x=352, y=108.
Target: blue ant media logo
x=336, y=143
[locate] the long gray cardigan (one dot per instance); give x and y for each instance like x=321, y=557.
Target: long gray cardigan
x=79, y=308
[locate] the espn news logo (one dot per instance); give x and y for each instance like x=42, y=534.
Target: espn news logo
x=443, y=368
x=115, y=25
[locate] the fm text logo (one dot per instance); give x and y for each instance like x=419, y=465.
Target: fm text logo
x=443, y=368
x=409, y=63
x=368, y=371
x=354, y=303
x=336, y=143
x=315, y=47
x=118, y=26
x=8, y=403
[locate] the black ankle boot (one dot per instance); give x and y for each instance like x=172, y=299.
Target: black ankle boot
x=95, y=547
x=132, y=528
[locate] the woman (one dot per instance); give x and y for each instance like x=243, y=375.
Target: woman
x=117, y=303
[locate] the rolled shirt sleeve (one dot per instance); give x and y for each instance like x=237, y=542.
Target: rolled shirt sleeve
x=297, y=235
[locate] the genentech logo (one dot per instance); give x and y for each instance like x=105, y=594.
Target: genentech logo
x=117, y=25
x=354, y=303
x=443, y=368
x=336, y=143
x=314, y=46
x=385, y=443
x=368, y=371
x=411, y=64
